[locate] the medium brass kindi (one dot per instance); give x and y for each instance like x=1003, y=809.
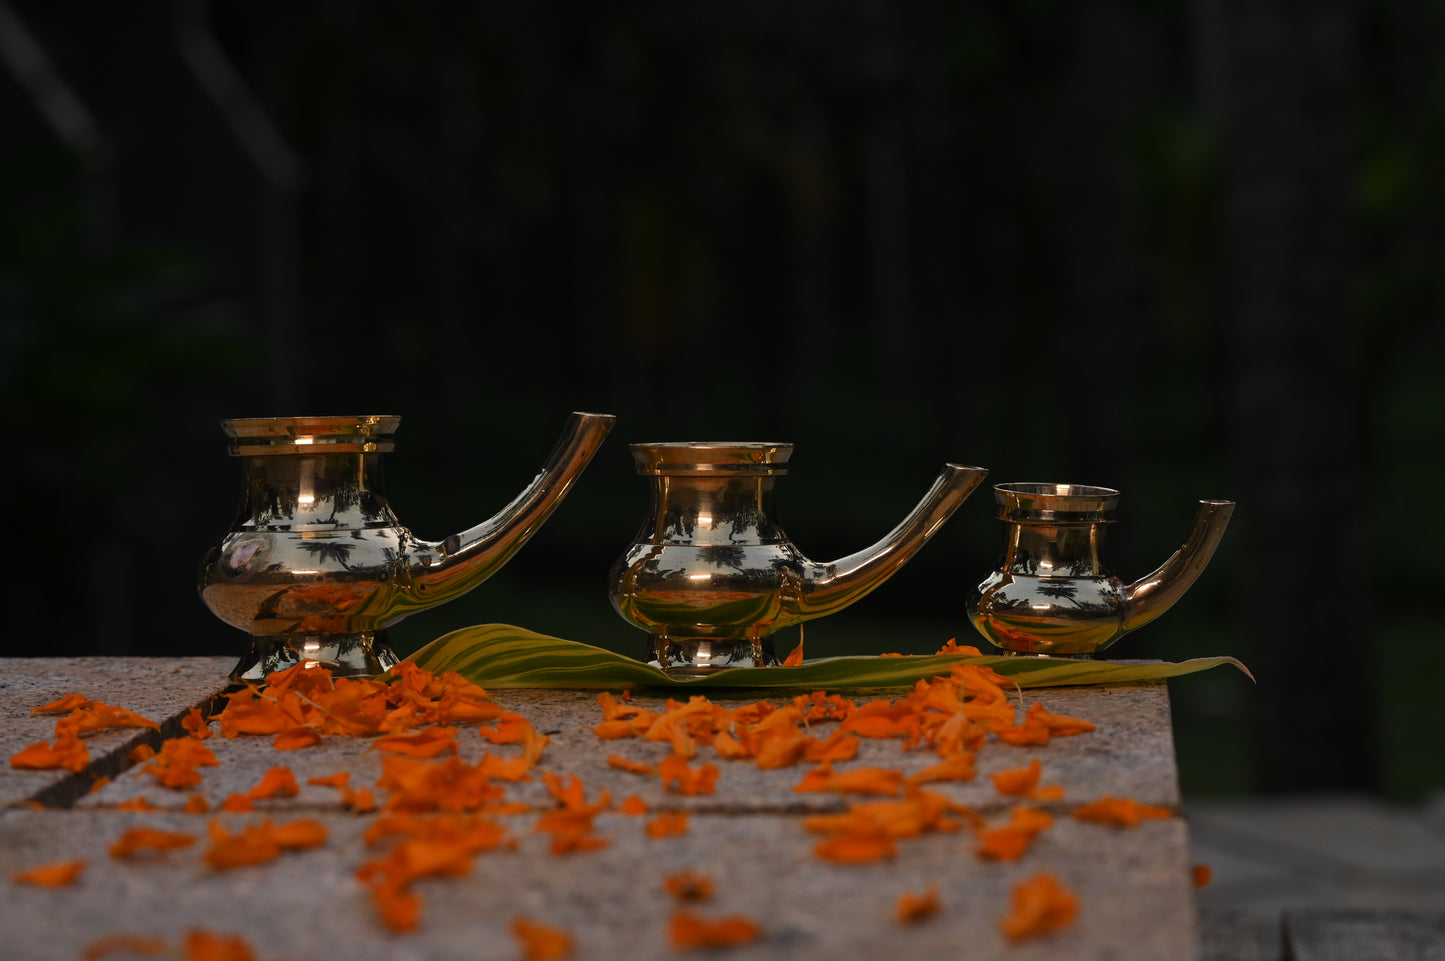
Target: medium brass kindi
x=711, y=575
x=316, y=562
x=1052, y=592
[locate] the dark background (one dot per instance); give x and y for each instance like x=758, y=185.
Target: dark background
x=1188, y=250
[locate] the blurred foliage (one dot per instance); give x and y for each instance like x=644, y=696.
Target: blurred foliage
x=101, y=347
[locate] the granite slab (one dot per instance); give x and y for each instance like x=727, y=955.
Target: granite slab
x=159, y=689
x=1134, y=886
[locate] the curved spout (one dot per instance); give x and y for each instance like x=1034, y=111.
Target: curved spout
x=441, y=571
x=1155, y=593
x=828, y=587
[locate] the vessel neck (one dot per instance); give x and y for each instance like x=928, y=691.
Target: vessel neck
x=709, y=509
x=1054, y=550
x=320, y=492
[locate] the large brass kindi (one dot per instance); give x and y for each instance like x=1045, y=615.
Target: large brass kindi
x=710, y=575
x=1052, y=592
x=316, y=562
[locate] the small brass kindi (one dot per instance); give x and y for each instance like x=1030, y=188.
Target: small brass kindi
x=711, y=575
x=316, y=563
x=1053, y=593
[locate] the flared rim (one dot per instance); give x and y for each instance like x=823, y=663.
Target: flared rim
x=1054, y=502
x=712, y=457
x=290, y=435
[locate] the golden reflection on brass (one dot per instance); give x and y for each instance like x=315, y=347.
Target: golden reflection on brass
x=1053, y=593
x=710, y=575
x=316, y=563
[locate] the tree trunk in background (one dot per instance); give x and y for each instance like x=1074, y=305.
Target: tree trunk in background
x=1290, y=154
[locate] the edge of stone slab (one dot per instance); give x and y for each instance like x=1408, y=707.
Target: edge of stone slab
x=114, y=759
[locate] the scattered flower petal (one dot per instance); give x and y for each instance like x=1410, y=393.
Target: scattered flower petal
x=57, y=875
x=913, y=907
x=688, y=886
x=1120, y=811
x=1041, y=905
x=122, y=944
x=149, y=841
x=540, y=942
x=687, y=931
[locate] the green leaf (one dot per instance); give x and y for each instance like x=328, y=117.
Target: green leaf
x=503, y=656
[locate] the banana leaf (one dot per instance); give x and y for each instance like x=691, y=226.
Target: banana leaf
x=504, y=656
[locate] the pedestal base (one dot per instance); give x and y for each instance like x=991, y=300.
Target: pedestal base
x=698, y=657
x=345, y=655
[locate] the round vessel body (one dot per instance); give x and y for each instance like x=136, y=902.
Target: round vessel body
x=314, y=554
x=1051, y=592
x=710, y=575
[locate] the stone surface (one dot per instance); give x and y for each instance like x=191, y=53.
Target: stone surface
x=1136, y=900
x=1364, y=936
x=160, y=690
x=1231, y=936
x=1128, y=755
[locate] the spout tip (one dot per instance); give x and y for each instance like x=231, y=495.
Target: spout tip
x=1218, y=511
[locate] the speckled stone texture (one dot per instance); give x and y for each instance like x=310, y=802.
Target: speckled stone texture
x=1133, y=885
x=160, y=690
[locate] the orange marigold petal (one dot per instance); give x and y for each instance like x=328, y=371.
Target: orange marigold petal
x=196, y=724
x=62, y=705
x=913, y=907
x=687, y=930
x=294, y=738
x=688, y=885
x=122, y=943
x=629, y=764
x=1016, y=781
x=399, y=908
x=668, y=824
x=540, y=942
x=633, y=805
x=1120, y=812
x=56, y=875
x=563, y=844
x=866, y=780
x=276, y=782
x=143, y=840
x=1009, y=842
x=679, y=778
x=616, y=730
x=340, y=779
x=135, y=804
x=1031, y=733
x=67, y=753
x=299, y=834
x=955, y=767
x=202, y=945
x=428, y=742
x=100, y=717
x=1040, y=905
x=1059, y=725
x=856, y=848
